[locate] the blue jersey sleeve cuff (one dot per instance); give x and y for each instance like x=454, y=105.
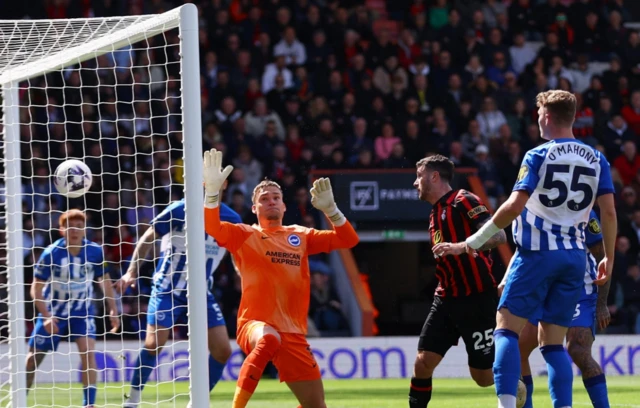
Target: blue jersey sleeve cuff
x=528, y=189
x=605, y=191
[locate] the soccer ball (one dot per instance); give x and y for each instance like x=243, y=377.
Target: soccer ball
x=72, y=178
x=521, y=396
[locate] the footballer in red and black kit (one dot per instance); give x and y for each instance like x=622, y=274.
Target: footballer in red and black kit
x=466, y=299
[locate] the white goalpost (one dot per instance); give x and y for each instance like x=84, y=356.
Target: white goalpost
x=121, y=94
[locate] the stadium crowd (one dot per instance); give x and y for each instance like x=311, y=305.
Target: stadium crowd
x=291, y=86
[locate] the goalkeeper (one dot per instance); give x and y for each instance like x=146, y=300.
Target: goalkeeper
x=168, y=303
x=272, y=260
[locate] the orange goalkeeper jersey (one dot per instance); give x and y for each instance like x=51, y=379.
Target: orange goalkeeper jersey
x=274, y=267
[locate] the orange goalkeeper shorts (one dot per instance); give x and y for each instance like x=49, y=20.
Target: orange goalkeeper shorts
x=294, y=360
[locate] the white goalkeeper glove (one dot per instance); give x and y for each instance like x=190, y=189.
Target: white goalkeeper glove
x=322, y=199
x=214, y=177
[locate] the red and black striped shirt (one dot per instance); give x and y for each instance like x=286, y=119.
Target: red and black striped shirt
x=456, y=216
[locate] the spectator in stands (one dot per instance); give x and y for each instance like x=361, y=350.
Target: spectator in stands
x=290, y=88
x=325, y=308
x=490, y=119
x=256, y=121
x=628, y=163
x=615, y=135
x=631, y=113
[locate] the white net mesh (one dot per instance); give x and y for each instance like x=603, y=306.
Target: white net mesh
x=119, y=113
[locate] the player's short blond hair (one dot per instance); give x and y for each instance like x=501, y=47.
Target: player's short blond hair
x=262, y=185
x=72, y=214
x=561, y=106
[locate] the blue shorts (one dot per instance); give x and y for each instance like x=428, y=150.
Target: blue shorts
x=164, y=310
x=551, y=280
x=71, y=328
x=584, y=314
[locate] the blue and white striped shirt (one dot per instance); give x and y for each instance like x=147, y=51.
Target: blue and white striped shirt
x=69, y=278
x=563, y=178
x=593, y=235
x=170, y=276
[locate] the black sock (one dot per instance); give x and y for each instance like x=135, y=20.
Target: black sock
x=420, y=392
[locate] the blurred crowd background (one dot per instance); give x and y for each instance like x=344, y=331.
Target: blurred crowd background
x=288, y=86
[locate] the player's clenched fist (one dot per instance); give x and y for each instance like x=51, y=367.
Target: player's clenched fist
x=214, y=176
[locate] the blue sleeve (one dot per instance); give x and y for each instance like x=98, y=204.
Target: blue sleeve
x=593, y=234
x=228, y=215
x=605, y=184
x=42, y=269
x=528, y=176
x=171, y=217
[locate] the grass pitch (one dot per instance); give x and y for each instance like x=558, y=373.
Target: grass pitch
x=390, y=393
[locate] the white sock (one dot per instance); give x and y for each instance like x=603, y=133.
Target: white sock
x=507, y=401
x=134, y=396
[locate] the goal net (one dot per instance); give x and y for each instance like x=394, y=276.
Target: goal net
x=121, y=95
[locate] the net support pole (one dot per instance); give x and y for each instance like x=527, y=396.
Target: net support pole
x=194, y=211
x=15, y=260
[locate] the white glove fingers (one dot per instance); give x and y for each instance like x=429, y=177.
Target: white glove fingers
x=225, y=173
x=207, y=159
x=326, y=184
x=218, y=161
x=314, y=192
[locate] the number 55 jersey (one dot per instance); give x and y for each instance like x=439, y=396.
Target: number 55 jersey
x=563, y=178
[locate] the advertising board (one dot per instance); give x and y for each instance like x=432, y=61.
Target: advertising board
x=339, y=358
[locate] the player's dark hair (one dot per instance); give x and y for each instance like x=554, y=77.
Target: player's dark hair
x=263, y=184
x=72, y=214
x=439, y=163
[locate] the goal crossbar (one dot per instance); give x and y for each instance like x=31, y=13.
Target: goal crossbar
x=41, y=52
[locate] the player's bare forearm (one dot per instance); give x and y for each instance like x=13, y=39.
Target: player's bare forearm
x=505, y=215
x=497, y=239
x=107, y=289
x=511, y=209
x=38, y=300
x=609, y=224
x=603, y=294
x=144, y=245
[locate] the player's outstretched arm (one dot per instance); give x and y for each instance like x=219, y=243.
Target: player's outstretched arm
x=505, y=215
x=228, y=235
x=107, y=289
x=343, y=235
x=144, y=245
x=609, y=224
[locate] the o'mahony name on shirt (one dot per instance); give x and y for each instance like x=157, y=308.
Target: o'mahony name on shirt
x=573, y=148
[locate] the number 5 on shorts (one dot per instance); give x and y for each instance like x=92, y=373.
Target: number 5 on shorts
x=577, y=313
x=479, y=338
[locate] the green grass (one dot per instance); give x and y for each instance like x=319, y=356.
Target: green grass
x=623, y=392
